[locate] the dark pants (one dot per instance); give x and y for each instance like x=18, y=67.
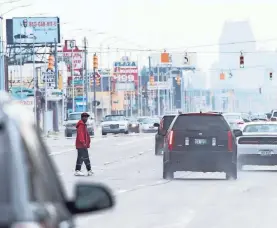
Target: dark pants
x=82, y=157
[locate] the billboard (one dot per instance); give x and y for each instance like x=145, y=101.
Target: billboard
x=125, y=74
x=29, y=30
x=73, y=57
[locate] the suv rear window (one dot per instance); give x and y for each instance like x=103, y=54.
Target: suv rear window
x=167, y=120
x=201, y=122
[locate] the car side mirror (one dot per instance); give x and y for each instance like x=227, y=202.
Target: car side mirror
x=156, y=125
x=90, y=198
x=237, y=132
x=273, y=119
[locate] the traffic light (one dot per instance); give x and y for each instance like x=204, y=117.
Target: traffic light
x=241, y=61
x=98, y=82
x=270, y=76
x=95, y=61
x=151, y=80
x=178, y=80
x=51, y=62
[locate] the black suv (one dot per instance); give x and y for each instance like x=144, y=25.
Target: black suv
x=162, y=129
x=200, y=142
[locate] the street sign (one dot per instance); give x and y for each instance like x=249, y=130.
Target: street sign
x=48, y=79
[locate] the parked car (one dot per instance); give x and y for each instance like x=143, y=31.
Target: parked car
x=201, y=142
x=72, y=120
x=31, y=193
x=115, y=124
x=162, y=128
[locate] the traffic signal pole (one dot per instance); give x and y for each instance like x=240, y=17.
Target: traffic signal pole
x=95, y=65
x=55, y=103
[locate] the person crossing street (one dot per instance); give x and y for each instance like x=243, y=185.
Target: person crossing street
x=82, y=145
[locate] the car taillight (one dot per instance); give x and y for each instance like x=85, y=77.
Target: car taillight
x=230, y=141
x=170, y=140
x=187, y=141
x=240, y=122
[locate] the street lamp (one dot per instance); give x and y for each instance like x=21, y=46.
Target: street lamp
x=2, y=54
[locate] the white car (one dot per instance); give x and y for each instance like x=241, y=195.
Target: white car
x=147, y=125
x=236, y=120
x=258, y=144
x=115, y=124
x=73, y=119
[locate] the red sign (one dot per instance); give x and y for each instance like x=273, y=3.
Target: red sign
x=126, y=74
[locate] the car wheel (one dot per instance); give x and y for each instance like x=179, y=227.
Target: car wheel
x=91, y=133
x=167, y=173
x=156, y=149
x=232, y=175
x=68, y=134
x=126, y=132
x=240, y=167
x=104, y=133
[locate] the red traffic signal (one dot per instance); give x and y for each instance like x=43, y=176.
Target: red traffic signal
x=241, y=61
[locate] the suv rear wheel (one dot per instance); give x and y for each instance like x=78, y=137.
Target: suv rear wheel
x=232, y=175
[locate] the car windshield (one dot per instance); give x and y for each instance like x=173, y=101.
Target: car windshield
x=141, y=119
x=114, y=118
x=150, y=121
x=270, y=128
x=75, y=116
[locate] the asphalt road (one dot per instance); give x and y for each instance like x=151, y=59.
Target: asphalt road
x=144, y=200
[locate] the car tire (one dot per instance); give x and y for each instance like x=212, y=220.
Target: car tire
x=168, y=174
x=68, y=134
x=91, y=133
x=156, y=149
x=232, y=175
x=126, y=132
x=104, y=133
x=240, y=166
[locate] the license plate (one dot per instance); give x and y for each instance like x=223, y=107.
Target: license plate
x=265, y=152
x=200, y=141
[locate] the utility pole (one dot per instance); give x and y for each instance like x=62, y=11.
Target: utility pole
x=95, y=67
x=86, y=78
x=55, y=103
x=2, y=62
x=147, y=91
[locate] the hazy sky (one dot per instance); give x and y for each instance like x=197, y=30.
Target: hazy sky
x=155, y=24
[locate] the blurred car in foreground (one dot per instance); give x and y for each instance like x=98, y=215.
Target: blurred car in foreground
x=31, y=194
x=201, y=142
x=258, y=144
x=147, y=125
x=162, y=128
x=134, y=126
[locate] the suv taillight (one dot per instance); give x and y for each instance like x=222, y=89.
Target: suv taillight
x=170, y=140
x=230, y=141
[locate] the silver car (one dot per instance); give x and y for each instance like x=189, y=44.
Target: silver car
x=147, y=125
x=258, y=144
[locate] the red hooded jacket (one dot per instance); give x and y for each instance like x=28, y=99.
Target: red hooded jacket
x=82, y=138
